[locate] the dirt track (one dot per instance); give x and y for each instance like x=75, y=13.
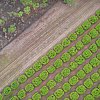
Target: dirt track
x=45, y=33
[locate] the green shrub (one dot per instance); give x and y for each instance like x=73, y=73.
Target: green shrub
x=73, y=80
x=72, y=37
x=59, y=93
x=86, y=25
x=65, y=57
x=7, y=90
x=58, y=63
x=66, y=99
x=79, y=30
x=65, y=72
x=22, y=79
x=87, y=54
x=27, y=10
x=87, y=68
x=74, y=96
x=72, y=51
x=81, y=89
x=81, y=74
x=44, y=90
x=93, y=19
x=98, y=42
x=37, y=66
x=88, y=83
x=93, y=33
x=26, y=2
x=29, y=72
x=89, y=97
x=73, y=65
x=2, y=22
x=51, y=69
x=96, y=92
x=94, y=62
x=14, y=98
x=36, y=96
x=80, y=59
x=58, y=48
x=20, y=13
x=93, y=47
x=98, y=13
x=65, y=42
x=14, y=85
x=95, y=77
x=66, y=87
x=99, y=86
x=51, y=84
x=36, y=81
x=12, y=29
x=21, y=94
x=43, y=75
x=98, y=56
x=51, y=54
x=98, y=27
x=44, y=60
x=86, y=39
x=51, y=97
x=1, y=96
x=58, y=77
x=79, y=45
x=29, y=87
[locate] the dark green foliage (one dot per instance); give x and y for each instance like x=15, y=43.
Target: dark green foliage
x=81, y=74
x=94, y=62
x=89, y=97
x=29, y=72
x=43, y=75
x=14, y=85
x=72, y=51
x=88, y=83
x=29, y=87
x=58, y=77
x=93, y=33
x=98, y=27
x=58, y=48
x=81, y=89
x=93, y=19
x=58, y=63
x=72, y=37
x=21, y=94
x=95, y=77
x=7, y=90
x=86, y=39
x=86, y=25
x=79, y=30
x=36, y=81
x=65, y=42
x=98, y=56
x=51, y=54
x=59, y=93
x=65, y=72
x=66, y=87
x=93, y=47
x=51, y=69
x=65, y=57
x=74, y=96
x=44, y=90
x=79, y=45
x=73, y=65
x=98, y=42
x=87, y=68
x=51, y=84
x=73, y=80
x=22, y=78
x=96, y=92
x=44, y=60
x=87, y=54
x=14, y=98
x=51, y=97
x=36, y=96
x=98, y=13
x=80, y=59
x=37, y=66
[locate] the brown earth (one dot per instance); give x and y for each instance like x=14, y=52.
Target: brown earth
x=45, y=33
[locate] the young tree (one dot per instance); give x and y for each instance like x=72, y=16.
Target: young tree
x=72, y=37
x=81, y=89
x=79, y=30
x=29, y=87
x=51, y=69
x=58, y=63
x=14, y=85
x=89, y=97
x=98, y=13
x=86, y=25
x=81, y=74
x=65, y=42
x=21, y=94
x=98, y=42
x=74, y=96
x=93, y=19
x=65, y=72
x=43, y=75
x=93, y=47
x=14, y=98
x=96, y=92
x=37, y=66
x=95, y=77
x=73, y=65
x=1, y=96
x=51, y=84
x=22, y=79
x=44, y=90
x=66, y=87
x=98, y=27
x=58, y=77
x=7, y=90
x=72, y=51
x=51, y=97
x=98, y=56
x=51, y=54
x=36, y=96
x=79, y=45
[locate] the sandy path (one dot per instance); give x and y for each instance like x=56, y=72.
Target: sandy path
x=48, y=32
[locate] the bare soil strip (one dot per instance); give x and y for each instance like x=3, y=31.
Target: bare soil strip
x=11, y=65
